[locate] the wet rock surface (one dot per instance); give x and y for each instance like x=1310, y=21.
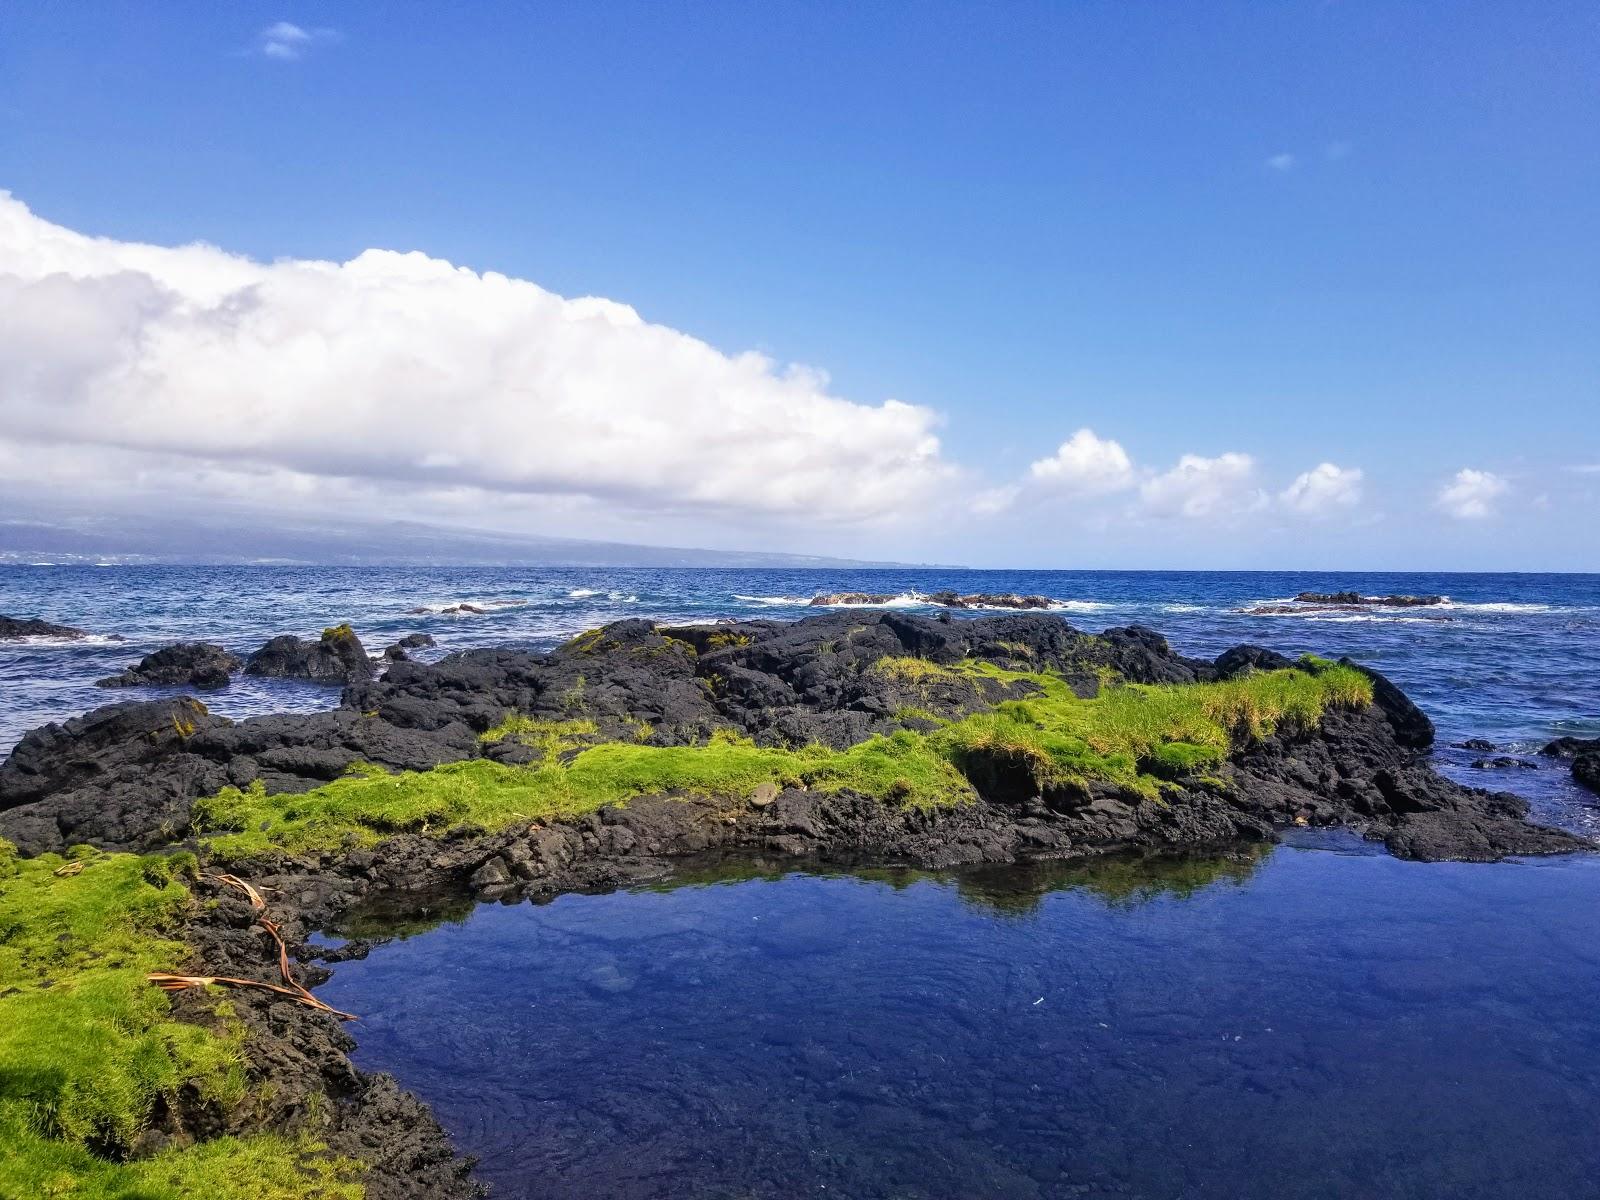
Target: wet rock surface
x=184, y=664
x=12, y=628
x=1584, y=754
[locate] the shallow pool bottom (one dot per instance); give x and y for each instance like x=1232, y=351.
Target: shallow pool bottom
x=1304, y=1022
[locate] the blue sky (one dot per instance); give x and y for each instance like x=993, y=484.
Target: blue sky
x=1358, y=234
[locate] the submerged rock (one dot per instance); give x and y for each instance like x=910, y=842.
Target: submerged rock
x=1585, y=756
x=13, y=628
x=338, y=657
x=184, y=664
x=412, y=641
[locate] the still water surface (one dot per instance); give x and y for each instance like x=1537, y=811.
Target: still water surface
x=1311, y=1021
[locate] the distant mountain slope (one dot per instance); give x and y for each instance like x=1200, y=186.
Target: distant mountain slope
x=254, y=539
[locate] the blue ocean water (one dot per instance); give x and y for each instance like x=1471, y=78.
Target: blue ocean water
x=1314, y=1023
x=1511, y=658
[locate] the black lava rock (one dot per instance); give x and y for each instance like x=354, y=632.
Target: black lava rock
x=338, y=657
x=12, y=628
x=185, y=664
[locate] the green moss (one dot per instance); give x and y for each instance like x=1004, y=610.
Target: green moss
x=87, y=1045
x=1130, y=736
x=338, y=633
x=718, y=641
x=550, y=738
x=265, y=1167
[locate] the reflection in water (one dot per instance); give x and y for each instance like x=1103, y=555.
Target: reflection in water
x=1292, y=1024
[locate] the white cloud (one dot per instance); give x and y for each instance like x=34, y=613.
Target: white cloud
x=1084, y=465
x=1281, y=162
x=1471, y=494
x=1334, y=151
x=1323, y=490
x=403, y=370
x=1204, y=487
x=286, y=40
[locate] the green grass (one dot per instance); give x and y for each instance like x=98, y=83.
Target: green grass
x=88, y=1046
x=1133, y=737
x=551, y=739
x=263, y=1167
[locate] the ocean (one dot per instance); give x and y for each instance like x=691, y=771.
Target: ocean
x=1508, y=658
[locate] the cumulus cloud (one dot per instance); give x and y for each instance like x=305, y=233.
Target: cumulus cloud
x=1282, y=162
x=1323, y=490
x=405, y=371
x=1204, y=487
x=1470, y=495
x=1085, y=465
x=286, y=40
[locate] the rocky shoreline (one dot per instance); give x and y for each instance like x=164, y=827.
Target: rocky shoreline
x=137, y=777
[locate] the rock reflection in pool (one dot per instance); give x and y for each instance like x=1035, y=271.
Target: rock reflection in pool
x=1300, y=1024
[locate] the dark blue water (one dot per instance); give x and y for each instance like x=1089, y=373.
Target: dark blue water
x=1512, y=658
x=1309, y=1023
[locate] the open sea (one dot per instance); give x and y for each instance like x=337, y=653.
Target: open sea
x=1309, y=1020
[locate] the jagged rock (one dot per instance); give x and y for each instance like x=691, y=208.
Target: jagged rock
x=338, y=657
x=1242, y=659
x=185, y=664
x=1481, y=745
x=12, y=628
x=1504, y=762
x=989, y=600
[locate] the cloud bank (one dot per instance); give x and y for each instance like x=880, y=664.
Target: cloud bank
x=1471, y=495
x=1195, y=487
x=398, y=369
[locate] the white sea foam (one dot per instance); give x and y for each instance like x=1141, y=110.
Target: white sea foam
x=1185, y=608
x=1501, y=607
x=48, y=642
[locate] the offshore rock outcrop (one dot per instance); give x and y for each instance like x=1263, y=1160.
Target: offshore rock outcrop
x=14, y=628
x=947, y=599
x=337, y=657
x=184, y=664
x=1356, y=599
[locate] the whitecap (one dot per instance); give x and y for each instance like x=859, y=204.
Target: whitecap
x=51, y=642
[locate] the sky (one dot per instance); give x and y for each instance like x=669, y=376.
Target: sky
x=1302, y=285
